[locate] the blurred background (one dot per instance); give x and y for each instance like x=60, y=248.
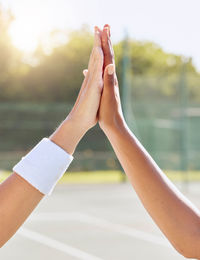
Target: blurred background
x=45, y=45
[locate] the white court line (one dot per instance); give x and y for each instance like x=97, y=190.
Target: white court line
x=102, y=223
x=45, y=240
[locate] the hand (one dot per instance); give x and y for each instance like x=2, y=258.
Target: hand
x=110, y=111
x=84, y=112
x=83, y=116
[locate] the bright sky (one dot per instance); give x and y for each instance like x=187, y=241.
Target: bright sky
x=173, y=24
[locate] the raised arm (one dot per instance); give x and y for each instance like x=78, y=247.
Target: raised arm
x=178, y=219
x=18, y=197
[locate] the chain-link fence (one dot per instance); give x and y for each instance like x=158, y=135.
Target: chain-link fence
x=162, y=110
x=167, y=124
x=169, y=129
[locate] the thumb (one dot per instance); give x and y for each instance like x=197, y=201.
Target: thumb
x=109, y=77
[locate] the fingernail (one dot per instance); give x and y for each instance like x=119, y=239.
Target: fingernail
x=111, y=69
x=85, y=72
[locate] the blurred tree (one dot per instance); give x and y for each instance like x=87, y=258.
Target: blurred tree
x=10, y=57
x=57, y=76
x=60, y=74
x=155, y=73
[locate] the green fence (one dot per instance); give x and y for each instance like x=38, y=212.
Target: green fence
x=166, y=118
x=169, y=131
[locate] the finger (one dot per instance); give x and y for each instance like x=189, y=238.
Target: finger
x=107, y=25
x=97, y=52
x=97, y=37
x=107, y=46
x=99, y=30
x=85, y=72
x=109, y=78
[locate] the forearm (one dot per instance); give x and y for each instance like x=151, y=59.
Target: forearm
x=172, y=212
x=18, y=198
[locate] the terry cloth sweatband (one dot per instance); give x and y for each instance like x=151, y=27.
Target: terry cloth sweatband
x=44, y=165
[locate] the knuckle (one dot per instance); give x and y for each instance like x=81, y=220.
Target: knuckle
x=110, y=81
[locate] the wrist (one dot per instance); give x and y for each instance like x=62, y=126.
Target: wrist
x=118, y=134
x=68, y=135
x=117, y=125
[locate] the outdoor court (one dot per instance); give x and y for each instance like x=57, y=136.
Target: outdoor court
x=91, y=222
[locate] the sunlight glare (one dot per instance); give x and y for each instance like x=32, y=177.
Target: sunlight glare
x=25, y=36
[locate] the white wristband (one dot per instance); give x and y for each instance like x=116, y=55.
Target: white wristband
x=44, y=165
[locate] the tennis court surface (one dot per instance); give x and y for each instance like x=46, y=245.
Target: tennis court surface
x=91, y=222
